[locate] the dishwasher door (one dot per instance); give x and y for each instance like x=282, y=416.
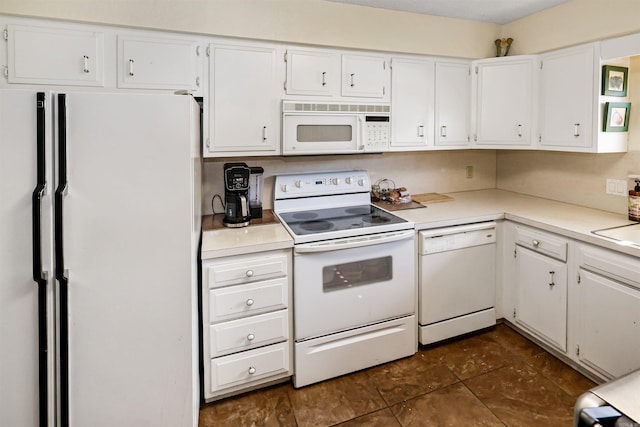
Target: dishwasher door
x=457, y=280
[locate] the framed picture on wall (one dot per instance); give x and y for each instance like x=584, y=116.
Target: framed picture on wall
x=614, y=80
x=616, y=116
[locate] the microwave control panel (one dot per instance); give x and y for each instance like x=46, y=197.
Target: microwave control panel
x=376, y=133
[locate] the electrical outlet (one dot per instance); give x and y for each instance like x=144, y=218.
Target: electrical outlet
x=617, y=187
x=469, y=171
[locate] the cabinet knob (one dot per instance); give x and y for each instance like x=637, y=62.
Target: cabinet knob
x=250, y=302
x=252, y=370
x=535, y=243
x=251, y=337
x=249, y=273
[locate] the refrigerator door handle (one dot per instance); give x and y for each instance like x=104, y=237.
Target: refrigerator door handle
x=61, y=273
x=40, y=276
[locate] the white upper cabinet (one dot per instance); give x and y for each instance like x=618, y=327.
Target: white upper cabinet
x=55, y=56
x=412, y=85
x=312, y=72
x=243, y=105
x=452, y=104
x=158, y=63
x=568, y=105
x=504, y=90
x=365, y=76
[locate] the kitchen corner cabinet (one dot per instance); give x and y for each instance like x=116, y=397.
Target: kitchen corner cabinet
x=452, y=104
x=505, y=101
x=607, y=311
x=54, y=56
x=312, y=72
x=541, y=285
x=412, y=102
x=158, y=63
x=365, y=76
x=243, y=106
x=568, y=103
x=247, y=322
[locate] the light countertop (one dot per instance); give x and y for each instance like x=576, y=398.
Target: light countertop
x=569, y=220
x=576, y=222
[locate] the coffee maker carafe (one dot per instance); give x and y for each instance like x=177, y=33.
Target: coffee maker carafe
x=236, y=190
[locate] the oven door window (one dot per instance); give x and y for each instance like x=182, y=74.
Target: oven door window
x=344, y=276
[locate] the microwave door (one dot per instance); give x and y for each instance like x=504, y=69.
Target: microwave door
x=321, y=134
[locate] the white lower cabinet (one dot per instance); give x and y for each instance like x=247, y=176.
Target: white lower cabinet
x=247, y=322
x=607, y=311
x=541, y=285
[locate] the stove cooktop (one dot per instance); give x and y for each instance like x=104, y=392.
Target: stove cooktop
x=319, y=221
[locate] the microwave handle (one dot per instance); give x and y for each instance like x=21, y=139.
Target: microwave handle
x=360, y=134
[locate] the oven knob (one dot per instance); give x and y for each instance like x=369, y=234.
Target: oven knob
x=361, y=182
x=283, y=188
x=348, y=180
x=335, y=181
x=299, y=184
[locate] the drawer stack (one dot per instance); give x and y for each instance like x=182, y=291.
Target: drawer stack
x=246, y=321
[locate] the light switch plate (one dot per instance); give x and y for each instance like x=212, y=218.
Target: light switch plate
x=617, y=187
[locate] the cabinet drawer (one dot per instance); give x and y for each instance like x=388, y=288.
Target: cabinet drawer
x=249, y=366
x=615, y=265
x=246, y=269
x=544, y=243
x=242, y=300
x=247, y=333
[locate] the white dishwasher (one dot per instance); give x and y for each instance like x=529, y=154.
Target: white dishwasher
x=457, y=280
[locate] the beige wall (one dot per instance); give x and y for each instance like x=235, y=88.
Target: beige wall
x=425, y=172
x=571, y=23
x=302, y=21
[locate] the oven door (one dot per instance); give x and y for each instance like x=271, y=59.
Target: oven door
x=321, y=134
x=346, y=283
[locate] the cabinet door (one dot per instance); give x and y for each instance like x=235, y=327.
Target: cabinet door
x=541, y=302
x=567, y=98
x=608, y=325
x=452, y=104
x=411, y=103
x=504, y=99
x=158, y=63
x=243, y=107
x=364, y=76
x=41, y=55
x=312, y=73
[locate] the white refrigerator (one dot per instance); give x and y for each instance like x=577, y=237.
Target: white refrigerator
x=100, y=224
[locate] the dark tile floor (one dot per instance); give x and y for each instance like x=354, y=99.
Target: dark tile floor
x=492, y=378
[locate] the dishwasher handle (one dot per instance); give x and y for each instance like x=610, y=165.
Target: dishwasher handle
x=437, y=232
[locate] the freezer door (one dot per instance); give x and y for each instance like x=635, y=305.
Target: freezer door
x=26, y=326
x=128, y=230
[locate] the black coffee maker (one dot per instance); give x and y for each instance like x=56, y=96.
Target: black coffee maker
x=236, y=195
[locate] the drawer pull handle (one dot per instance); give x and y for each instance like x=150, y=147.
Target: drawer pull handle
x=249, y=273
x=85, y=58
x=251, y=337
x=252, y=370
x=552, y=284
x=250, y=302
x=535, y=243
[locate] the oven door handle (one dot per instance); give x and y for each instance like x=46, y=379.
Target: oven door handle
x=354, y=242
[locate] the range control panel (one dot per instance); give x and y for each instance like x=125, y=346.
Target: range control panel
x=321, y=184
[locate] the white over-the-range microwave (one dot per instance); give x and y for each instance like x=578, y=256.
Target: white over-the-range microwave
x=330, y=128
